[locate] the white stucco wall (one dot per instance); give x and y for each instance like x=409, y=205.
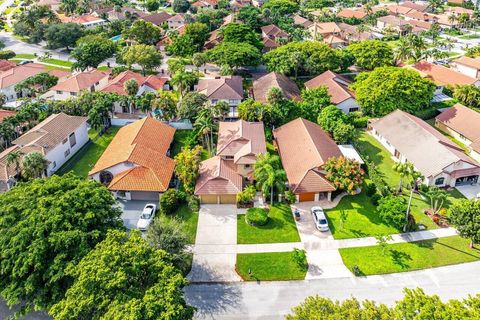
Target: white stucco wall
x=466, y=70
x=346, y=105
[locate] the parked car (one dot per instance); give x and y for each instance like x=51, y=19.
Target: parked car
x=21, y=63
x=146, y=217
x=319, y=219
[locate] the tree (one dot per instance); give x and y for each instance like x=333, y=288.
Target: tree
x=473, y=52
x=34, y=165
x=152, y=5
x=169, y=235
x=187, y=164
x=205, y=126
x=123, y=278
x=251, y=110
x=465, y=216
x=269, y=174
x=63, y=35
x=180, y=6
x=198, y=60
x=386, y=89
x=37, y=84
x=404, y=170
x=143, y=32
x=47, y=225
x=313, y=101
x=434, y=5
x=469, y=95
x=166, y=103
x=344, y=133
x=147, y=57
x=344, y=174
x=280, y=7
x=241, y=33
x=15, y=158
x=92, y=50
x=392, y=210
x=183, y=81
x=329, y=117
x=69, y=6
x=370, y=54
x=234, y=55
x=382, y=241
x=251, y=16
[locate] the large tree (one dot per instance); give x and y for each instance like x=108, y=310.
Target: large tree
x=251, y=110
x=370, y=54
x=124, y=278
x=269, y=175
x=143, y=32
x=234, y=55
x=392, y=211
x=386, y=89
x=47, y=225
x=147, y=57
x=313, y=101
x=251, y=16
x=92, y=50
x=241, y=33
x=187, y=166
x=63, y=35
x=469, y=95
x=465, y=216
x=345, y=174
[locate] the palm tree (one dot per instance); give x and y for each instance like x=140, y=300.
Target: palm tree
x=14, y=158
x=166, y=102
x=403, y=52
x=34, y=165
x=269, y=174
x=469, y=95
x=183, y=81
x=220, y=110
x=204, y=126
x=405, y=170
x=131, y=88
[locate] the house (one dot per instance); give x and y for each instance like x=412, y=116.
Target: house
x=262, y=86
x=415, y=5
x=337, y=87
x=443, y=76
x=441, y=162
x=349, y=13
x=57, y=138
x=222, y=176
x=274, y=33
x=208, y=4
x=397, y=24
x=119, y=13
x=335, y=41
x=135, y=165
x=5, y=114
x=352, y=33
x=323, y=30
x=7, y=65
x=15, y=75
x=87, y=20
x=301, y=21
x=214, y=38
x=226, y=89
x=176, y=21
x=463, y=124
x=73, y=85
x=396, y=9
x=468, y=66
x=158, y=18
x=236, y=5
x=54, y=5
x=304, y=148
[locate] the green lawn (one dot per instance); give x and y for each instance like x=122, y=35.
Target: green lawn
x=469, y=36
x=58, y=62
x=190, y=219
x=84, y=160
x=279, y=228
x=24, y=56
x=273, y=266
x=179, y=141
x=410, y=256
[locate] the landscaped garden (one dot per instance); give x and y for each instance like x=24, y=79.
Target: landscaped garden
x=280, y=227
x=84, y=160
x=409, y=256
x=272, y=266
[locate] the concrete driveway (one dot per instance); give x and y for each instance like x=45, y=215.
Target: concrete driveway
x=469, y=191
x=131, y=211
x=305, y=226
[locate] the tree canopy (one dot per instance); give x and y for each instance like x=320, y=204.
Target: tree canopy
x=345, y=174
x=147, y=57
x=92, y=50
x=370, y=54
x=234, y=55
x=241, y=33
x=386, y=89
x=143, y=32
x=63, y=35
x=47, y=225
x=465, y=215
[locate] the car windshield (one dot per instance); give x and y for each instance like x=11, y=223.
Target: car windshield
x=322, y=221
x=145, y=216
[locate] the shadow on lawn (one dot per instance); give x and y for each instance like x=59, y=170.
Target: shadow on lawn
x=400, y=258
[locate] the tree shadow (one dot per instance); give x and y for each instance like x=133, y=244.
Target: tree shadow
x=213, y=299
x=400, y=258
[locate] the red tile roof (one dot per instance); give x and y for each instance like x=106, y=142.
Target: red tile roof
x=462, y=120
x=442, y=75
x=116, y=85
x=337, y=86
x=222, y=88
x=262, y=85
x=218, y=176
x=5, y=114
x=80, y=81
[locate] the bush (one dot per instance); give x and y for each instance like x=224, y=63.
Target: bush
x=7, y=54
x=358, y=120
x=300, y=258
x=290, y=197
x=246, y=197
x=375, y=198
x=171, y=200
x=370, y=189
x=356, y=271
x=392, y=211
x=256, y=217
x=193, y=203
x=426, y=114
x=423, y=188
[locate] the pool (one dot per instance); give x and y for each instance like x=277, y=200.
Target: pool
x=116, y=38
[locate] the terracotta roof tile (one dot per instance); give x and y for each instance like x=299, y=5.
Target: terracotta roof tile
x=462, y=120
x=218, y=176
x=5, y=114
x=442, y=75
x=470, y=62
x=262, y=85
x=337, y=86
x=19, y=73
x=222, y=88
x=80, y=81
x=240, y=139
x=352, y=13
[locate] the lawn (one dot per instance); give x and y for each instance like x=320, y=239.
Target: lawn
x=273, y=266
x=280, y=227
x=25, y=56
x=84, y=160
x=410, y=256
x=58, y=62
x=180, y=140
x=469, y=36
x=190, y=220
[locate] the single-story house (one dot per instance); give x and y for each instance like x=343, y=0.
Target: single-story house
x=119, y=13
x=221, y=177
x=176, y=21
x=91, y=80
x=301, y=21
x=468, y=66
x=337, y=87
x=87, y=20
x=440, y=161
x=262, y=86
x=348, y=13
x=275, y=33
x=226, y=89
x=323, y=30
x=463, y=124
x=135, y=165
x=158, y=18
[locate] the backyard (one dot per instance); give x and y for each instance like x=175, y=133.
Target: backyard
x=181, y=139
x=409, y=256
x=280, y=227
x=84, y=160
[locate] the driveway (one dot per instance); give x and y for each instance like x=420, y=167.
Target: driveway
x=469, y=191
x=131, y=211
x=217, y=228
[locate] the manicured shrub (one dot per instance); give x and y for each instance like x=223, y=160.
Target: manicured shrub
x=256, y=217
x=246, y=197
x=370, y=189
x=290, y=197
x=7, y=54
x=300, y=258
x=171, y=200
x=193, y=203
x=392, y=210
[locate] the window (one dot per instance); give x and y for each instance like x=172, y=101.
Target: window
x=229, y=157
x=214, y=101
x=73, y=94
x=247, y=166
x=232, y=101
x=59, y=92
x=106, y=177
x=67, y=152
x=353, y=109
x=73, y=139
x=439, y=181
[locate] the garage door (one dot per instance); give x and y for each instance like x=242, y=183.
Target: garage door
x=208, y=199
x=141, y=195
x=309, y=196
x=228, y=199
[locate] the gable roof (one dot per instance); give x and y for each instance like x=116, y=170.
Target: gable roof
x=222, y=88
x=462, y=120
x=116, y=85
x=324, y=27
x=80, y=81
x=273, y=31
x=416, y=6
x=143, y=143
x=19, y=73
x=352, y=13
x=262, y=85
x=218, y=176
x=304, y=148
x=157, y=18
x=442, y=75
x=301, y=21
x=429, y=150
x=337, y=86
x=469, y=62
x=241, y=139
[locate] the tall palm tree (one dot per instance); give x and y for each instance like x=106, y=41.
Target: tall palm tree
x=131, y=88
x=205, y=126
x=34, y=165
x=269, y=174
x=405, y=170
x=469, y=95
x=183, y=81
x=15, y=158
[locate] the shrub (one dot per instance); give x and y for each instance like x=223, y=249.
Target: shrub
x=246, y=197
x=392, y=211
x=375, y=198
x=7, y=54
x=426, y=114
x=370, y=189
x=171, y=200
x=300, y=258
x=356, y=271
x=358, y=120
x=290, y=197
x=423, y=188
x=193, y=203
x=256, y=217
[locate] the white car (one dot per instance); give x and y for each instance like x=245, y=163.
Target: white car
x=146, y=217
x=319, y=219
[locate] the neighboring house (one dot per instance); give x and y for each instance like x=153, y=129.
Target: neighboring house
x=87, y=20
x=73, y=85
x=348, y=13
x=226, y=89
x=396, y=9
x=399, y=25
x=262, y=86
x=352, y=34
x=468, y=66
x=415, y=5
x=463, y=124
x=7, y=65
x=323, y=30
x=176, y=21
x=441, y=162
x=274, y=33
x=13, y=76
x=57, y=138
x=135, y=165
x=158, y=18
x=5, y=114
x=304, y=149
x=443, y=76
x=221, y=177
x=337, y=87
x=214, y=38
x=119, y=13
x=206, y=4
x=301, y=21
x=55, y=5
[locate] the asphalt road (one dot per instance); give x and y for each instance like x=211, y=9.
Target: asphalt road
x=273, y=300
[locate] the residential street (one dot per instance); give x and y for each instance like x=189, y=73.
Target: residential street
x=272, y=300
